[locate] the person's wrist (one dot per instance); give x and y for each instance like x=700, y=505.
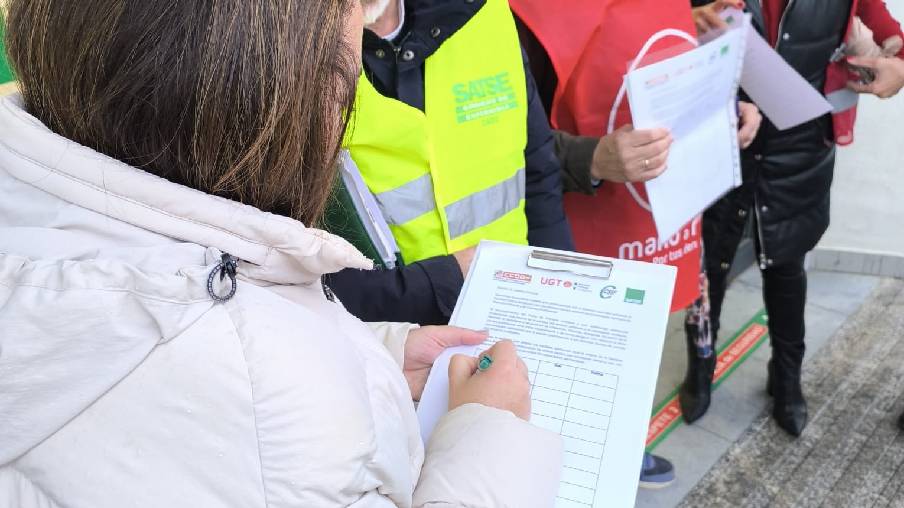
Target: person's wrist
x=598, y=170
x=595, y=175
x=601, y=173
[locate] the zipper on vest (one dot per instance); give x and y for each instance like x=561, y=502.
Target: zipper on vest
x=781, y=24
x=764, y=260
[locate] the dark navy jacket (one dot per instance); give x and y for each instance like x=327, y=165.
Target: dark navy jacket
x=425, y=292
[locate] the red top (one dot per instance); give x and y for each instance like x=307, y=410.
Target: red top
x=772, y=14
x=873, y=13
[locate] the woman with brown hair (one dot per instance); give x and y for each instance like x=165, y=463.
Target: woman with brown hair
x=165, y=338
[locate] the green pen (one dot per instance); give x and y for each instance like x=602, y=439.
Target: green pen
x=484, y=363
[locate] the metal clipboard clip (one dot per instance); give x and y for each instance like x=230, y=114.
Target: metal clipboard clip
x=576, y=264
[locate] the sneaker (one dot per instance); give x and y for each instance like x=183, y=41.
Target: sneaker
x=656, y=472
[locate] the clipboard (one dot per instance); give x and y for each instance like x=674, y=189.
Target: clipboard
x=354, y=214
x=590, y=331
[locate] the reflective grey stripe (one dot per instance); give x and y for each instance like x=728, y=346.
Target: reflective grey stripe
x=407, y=202
x=486, y=206
x=842, y=100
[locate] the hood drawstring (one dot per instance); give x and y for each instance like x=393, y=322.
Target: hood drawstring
x=226, y=266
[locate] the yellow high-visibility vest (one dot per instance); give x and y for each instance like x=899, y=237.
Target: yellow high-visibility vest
x=449, y=176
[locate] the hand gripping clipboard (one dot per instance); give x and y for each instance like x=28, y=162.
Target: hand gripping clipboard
x=434, y=401
x=597, y=323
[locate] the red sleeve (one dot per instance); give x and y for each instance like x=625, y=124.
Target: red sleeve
x=875, y=15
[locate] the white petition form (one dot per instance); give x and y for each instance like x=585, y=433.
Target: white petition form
x=590, y=330
x=693, y=95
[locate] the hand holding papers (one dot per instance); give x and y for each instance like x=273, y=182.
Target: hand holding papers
x=694, y=96
x=590, y=330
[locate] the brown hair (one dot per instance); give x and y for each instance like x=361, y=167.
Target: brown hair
x=246, y=100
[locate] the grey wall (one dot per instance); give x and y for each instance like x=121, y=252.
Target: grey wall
x=867, y=232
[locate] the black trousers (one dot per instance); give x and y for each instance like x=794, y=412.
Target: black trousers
x=784, y=294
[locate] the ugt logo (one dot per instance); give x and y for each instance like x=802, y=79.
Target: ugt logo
x=546, y=281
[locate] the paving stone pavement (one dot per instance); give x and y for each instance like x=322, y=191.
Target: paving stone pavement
x=851, y=453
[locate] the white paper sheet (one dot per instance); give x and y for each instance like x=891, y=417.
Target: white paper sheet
x=783, y=95
x=592, y=346
x=694, y=96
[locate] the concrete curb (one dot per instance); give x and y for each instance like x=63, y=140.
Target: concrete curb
x=881, y=264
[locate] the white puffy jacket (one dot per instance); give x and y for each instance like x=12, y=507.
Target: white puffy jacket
x=122, y=383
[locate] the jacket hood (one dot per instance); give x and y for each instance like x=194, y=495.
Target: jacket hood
x=73, y=323
x=70, y=331
x=272, y=248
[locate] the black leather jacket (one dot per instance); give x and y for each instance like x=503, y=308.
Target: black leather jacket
x=787, y=174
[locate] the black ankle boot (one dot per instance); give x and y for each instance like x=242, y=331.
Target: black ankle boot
x=694, y=395
x=789, y=408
